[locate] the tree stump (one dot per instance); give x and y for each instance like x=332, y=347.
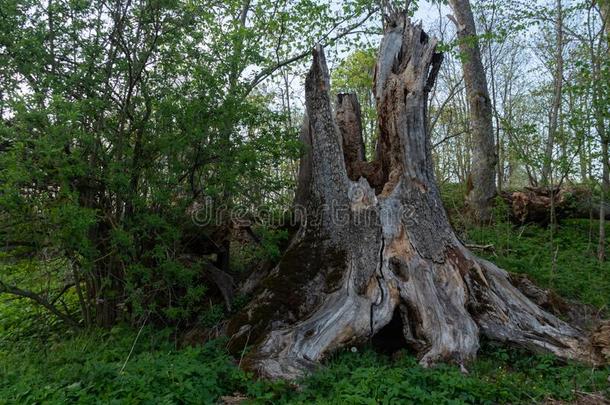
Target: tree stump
x=363, y=258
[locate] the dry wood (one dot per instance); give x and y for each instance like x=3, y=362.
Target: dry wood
x=533, y=204
x=363, y=259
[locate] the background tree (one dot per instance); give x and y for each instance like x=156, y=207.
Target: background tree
x=482, y=175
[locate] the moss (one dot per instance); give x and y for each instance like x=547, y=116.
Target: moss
x=302, y=264
x=296, y=279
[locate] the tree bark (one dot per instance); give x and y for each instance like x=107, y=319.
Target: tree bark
x=604, y=11
x=547, y=168
x=481, y=184
x=601, y=242
x=604, y=6
x=304, y=177
x=362, y=259
x=350, y=128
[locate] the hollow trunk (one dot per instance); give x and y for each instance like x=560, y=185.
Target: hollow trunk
x=364, y=259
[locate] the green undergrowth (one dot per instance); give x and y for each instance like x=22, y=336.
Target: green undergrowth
x=564, y=260
x=97, y=367
x=43, y=362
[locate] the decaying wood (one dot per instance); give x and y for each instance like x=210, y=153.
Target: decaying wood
x=363, y=258
x=533, y=204
x=349, y=122
x=601, y=339
x=304, y=178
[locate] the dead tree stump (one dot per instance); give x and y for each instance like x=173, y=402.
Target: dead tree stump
x=363, y=257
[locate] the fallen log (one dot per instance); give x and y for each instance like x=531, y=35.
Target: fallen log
x=533, y=204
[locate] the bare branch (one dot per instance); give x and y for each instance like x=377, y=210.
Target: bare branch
x=265, y=73
x=18, y=292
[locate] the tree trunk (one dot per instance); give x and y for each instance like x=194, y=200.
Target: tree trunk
x=556, y=106
x=362, y=259
x=604, y=6
x=481, y=184
x=604, y=11
x=601, y=242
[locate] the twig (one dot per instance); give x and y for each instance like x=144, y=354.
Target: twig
x=481, y=247
x=133, y=345
x=271, y=69
x=20, y=293
x=489, y=248
x=243, y=352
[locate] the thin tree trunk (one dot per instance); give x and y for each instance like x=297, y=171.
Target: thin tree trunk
x=604, y=11
x=481, y=187
x=556, y=106
x=601, y=247
x=496, y=115
x=598, y=76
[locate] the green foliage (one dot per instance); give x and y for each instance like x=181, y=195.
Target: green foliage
x=355, y=75
x=211, y=316
x=88, y=368
x=500, y=376
x=567, y=263
x=117, y=118
x=40, y=362
x=267, y=248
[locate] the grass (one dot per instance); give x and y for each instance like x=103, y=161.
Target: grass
x=93, y=368
x=566, y=263
x=86, y=368
x=564, y=260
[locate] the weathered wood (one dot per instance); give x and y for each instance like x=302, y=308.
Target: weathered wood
x=350, y=127
x=361, y=257
x=533, y=204
x=349, y=120
x=301, y=196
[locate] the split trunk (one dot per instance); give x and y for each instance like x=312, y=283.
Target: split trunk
x=375, y=246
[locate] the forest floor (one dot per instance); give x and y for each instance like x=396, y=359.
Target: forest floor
x=38, y=364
